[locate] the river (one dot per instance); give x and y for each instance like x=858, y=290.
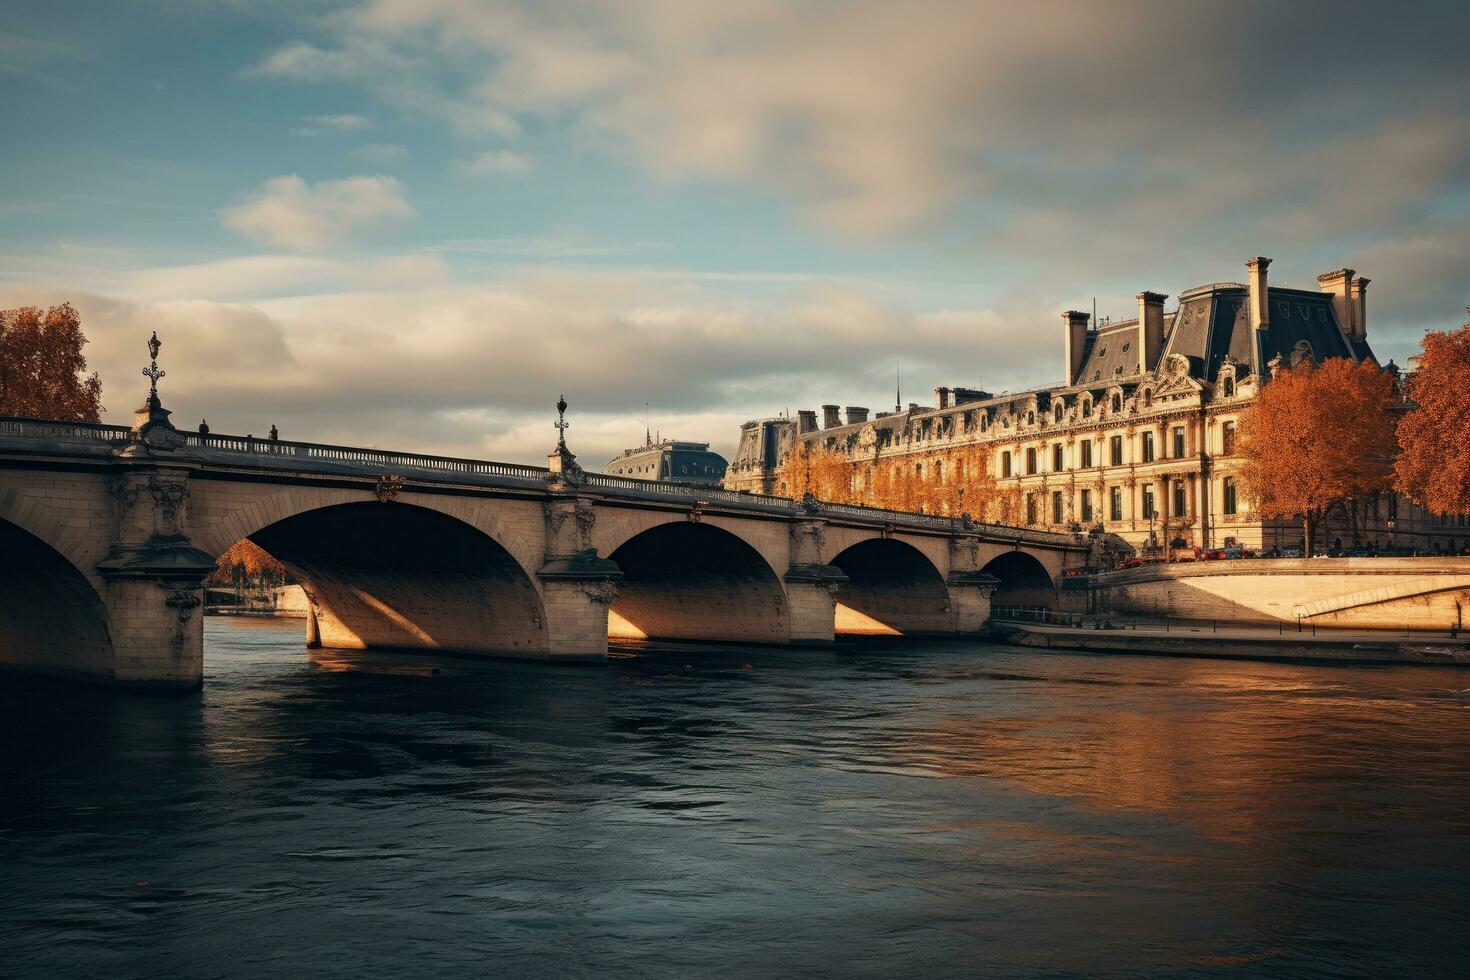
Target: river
x=885, y=809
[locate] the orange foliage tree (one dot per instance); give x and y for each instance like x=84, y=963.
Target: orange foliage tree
x=43, y=373
x=949, y=482
x=1318, y=437
x=246, y=564
x=1433, y=468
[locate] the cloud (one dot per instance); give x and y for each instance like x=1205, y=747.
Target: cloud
x=474, y=370
x=496, y=163
x=889, y=119
x=341, y=121
x=290, y=213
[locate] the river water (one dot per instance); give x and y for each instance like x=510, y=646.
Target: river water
x=886, y=809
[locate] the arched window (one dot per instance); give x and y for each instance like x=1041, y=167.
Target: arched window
x=1148, y=398
x=1117, y=403
x=1030, y=418
x=938, y=470
x=1087, y=408
x=1057, y=414
x=1229, y=387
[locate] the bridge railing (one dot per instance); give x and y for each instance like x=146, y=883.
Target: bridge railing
x=24, y=428
x=386, y=461
x=251, y=446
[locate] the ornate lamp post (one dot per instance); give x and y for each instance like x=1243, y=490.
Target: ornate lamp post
x=561, y=462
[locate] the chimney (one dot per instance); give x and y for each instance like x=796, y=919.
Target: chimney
x=1260, y=303
x=941, y=398
x=1150, y=329
x=830, y=417
x=1339, y=283
x=1074, y=344
x=856, y=415
x=1359, y=296
x=806, y=420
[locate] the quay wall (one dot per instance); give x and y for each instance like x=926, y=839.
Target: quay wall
x=1362, y=593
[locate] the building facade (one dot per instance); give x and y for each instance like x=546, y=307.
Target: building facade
x=1140, y=438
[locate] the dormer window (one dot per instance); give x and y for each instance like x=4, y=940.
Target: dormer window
x=1102, y=352
x=1126, y=345
x=1057, y=414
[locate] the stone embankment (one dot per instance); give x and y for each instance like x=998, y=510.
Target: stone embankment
x=1427, y=593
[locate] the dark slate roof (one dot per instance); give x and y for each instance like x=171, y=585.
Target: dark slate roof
x=1298, y=315
x=1208, y=326
x=1215, y=321
x=1112, y=353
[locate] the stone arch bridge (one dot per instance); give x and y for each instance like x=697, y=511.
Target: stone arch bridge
x=107, y=533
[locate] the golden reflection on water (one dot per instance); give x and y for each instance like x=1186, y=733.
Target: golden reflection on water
x=1226, y=752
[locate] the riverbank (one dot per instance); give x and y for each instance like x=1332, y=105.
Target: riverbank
x=1243, y=643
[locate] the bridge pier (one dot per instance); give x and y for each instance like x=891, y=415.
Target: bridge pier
x=969, y=600
x=811, y=601
x=577, y=587
x=154, y=595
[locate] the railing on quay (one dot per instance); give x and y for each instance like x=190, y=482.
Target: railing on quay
x=382, y=461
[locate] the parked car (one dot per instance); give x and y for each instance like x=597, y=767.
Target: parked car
x=1231, y=554
x=1290, y=553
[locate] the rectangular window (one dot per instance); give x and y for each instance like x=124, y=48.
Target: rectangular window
x=1229, y=494
x=1086, y=453
x=1393, y=506
x=1030, y=508
x=1148, y=447
x=1087, y=506
x=1148, y=504
x=1005, y=463
x=1030, y=460
x=1227, y=439
x=1115, y=450
x=1115, y=504
x=1178, y=442
x=1056, y=507
x=1179, y=508
x=1056, y=458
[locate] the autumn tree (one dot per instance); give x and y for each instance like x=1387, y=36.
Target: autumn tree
x=246, y=564
x=1433, y=468
x=1318, y=437
x=949, y=482
x=43, y=373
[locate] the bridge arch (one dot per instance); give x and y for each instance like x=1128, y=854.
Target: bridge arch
x=52, y=620
x=1024, y=580
x=398, y=575
x=896, y=585
x=684, y=580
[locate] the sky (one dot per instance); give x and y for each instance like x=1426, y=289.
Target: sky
x=412, y=224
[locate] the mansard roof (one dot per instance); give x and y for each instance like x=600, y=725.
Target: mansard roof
x=1111, y=354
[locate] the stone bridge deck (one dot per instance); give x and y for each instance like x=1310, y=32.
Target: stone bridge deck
x=113, y=528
